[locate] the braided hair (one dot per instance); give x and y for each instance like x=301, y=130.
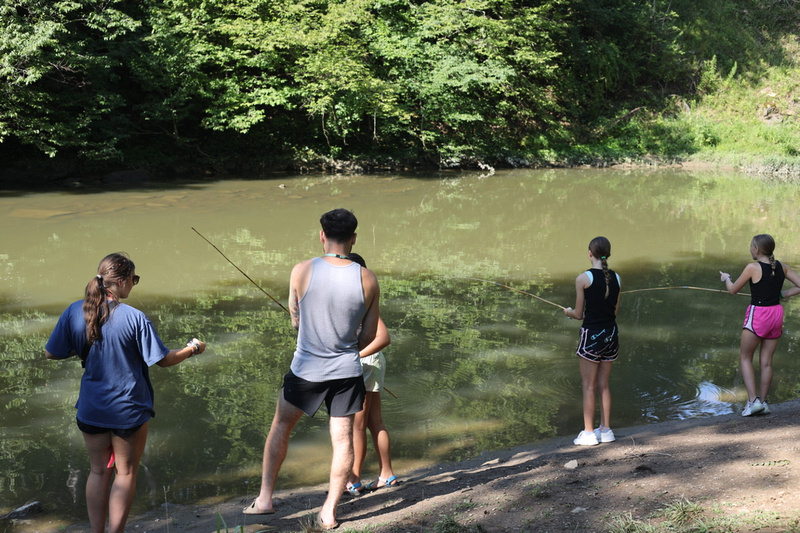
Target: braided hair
x=601, y=249
x=765, y=244
x=113, y=270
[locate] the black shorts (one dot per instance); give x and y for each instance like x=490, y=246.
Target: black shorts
x=96, y=430
x=342, y=397
x=599, y=344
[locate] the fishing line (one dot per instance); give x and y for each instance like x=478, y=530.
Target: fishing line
x=518, y=290
x=682, y=287
x=242, y=271
x=622, y=292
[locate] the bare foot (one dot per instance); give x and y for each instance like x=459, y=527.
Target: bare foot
x=327, y=520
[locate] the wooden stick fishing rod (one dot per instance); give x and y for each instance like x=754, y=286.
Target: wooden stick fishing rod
x=242, y=271
x=682, y=287
x=518, y=290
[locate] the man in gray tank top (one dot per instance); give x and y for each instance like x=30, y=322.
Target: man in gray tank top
x=330, y=298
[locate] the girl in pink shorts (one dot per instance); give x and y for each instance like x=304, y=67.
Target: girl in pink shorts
x=763, y=320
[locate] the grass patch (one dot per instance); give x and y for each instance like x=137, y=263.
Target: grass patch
x=683, y=516
x=449, y=524
x=626, y=523
x=465, y=505
x=682, y=512
x=222, y=526
x=540, y=490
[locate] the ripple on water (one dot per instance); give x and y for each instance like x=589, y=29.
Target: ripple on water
x=710, y=400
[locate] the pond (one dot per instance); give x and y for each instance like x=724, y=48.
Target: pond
x=475, y=363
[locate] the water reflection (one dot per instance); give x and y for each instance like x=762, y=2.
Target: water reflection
x=475, y=366
x=710, y=400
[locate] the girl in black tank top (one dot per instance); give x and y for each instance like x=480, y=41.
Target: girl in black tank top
x=596, y=303
x=763, y=319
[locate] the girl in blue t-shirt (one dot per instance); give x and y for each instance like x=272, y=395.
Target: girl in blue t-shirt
x=596, y=303
x=117, y=344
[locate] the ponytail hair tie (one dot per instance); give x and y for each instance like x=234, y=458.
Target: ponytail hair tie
x=603, y=257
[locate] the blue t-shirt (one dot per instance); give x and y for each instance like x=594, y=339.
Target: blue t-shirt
x=116, y=391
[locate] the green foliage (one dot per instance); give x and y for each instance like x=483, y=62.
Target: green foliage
x=621, y=51
x=59, y=85
x=441, y=82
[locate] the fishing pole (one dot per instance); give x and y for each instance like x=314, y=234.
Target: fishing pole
x=518, y=290
x=242, y=271
x=257, y=285
x=682, y=287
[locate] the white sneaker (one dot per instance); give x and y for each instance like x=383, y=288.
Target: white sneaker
x=604, y=435
x=766, y=410
x=586, y=438
x=752, y=408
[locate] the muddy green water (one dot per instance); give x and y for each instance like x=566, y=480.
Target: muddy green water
x=475, y=366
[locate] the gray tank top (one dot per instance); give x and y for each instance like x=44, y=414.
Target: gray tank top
x=331, y=312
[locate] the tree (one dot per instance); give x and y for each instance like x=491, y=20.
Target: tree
x=58, y=73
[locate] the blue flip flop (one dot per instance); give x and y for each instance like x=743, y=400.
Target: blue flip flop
x=381, y=483
x=352, y=489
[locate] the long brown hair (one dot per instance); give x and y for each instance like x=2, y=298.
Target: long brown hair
x=765, y=244
x=601, y=249
x=113, y=270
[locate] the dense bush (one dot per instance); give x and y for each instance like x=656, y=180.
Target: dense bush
x=441, y=82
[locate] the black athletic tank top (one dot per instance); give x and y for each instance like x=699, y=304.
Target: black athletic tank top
x=767, y=292
x=599, y=310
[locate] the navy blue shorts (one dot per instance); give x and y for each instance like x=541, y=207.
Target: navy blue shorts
x=599, y=344
x=342, y=397
x=97, y=430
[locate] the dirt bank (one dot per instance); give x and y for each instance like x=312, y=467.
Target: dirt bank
x=742, y=472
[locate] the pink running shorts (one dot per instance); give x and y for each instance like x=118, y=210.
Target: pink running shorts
x=765, y=322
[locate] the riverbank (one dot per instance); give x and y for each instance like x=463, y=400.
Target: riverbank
x=47, y=180
x=737, y=473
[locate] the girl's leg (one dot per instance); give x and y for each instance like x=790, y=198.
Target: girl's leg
x=747, y=348
x=604, y=393
x=127, y=452
x=360, y=439
x=99, y=480
x=589, y=372
x=768, y=347
x=380, y=438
